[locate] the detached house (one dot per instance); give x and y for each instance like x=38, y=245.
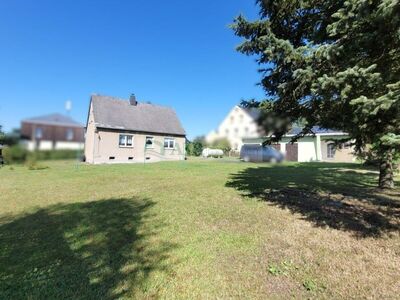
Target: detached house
x=54, y=131
x=125, y=131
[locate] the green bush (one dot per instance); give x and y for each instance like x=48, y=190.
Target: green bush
x=18, y=154
x=194, y=148
x=15, y=154
x=56, y=154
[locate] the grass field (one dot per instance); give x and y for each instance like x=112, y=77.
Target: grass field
x=197, y=229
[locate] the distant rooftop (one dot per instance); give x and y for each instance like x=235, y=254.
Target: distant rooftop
x=53, y=119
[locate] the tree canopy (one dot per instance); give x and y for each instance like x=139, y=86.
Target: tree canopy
x=331, y=63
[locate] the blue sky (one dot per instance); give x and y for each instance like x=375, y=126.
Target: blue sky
x=177, y=53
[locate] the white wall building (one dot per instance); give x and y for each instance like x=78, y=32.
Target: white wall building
x=238, y=124
x=240, y=127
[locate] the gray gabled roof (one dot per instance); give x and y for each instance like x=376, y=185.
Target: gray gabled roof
x=115, y=113
x=53, y=119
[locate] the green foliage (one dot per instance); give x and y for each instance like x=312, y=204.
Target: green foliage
x=196, y=147
x=57, y=154
x=282, y=268
x=15, y=154
x=333, y=64
x=11, y=138
x=310, y=285
x=18, y=154
x=274, y=270
x=222, y=144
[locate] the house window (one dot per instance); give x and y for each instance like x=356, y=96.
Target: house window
x=232, y=119
x=236, y=131
x=149, y=142
x=69, y=134
x=331, y=149
x=169, y=143
x=125, y=140
x=38, y=133
x=227, y=131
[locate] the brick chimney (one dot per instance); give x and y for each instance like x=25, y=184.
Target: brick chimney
x=132, y=100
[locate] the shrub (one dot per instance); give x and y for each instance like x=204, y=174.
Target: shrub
x=56, y=154
x=15, y=154
x=194, y=148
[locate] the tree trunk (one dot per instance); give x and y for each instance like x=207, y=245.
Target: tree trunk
x=386, y=172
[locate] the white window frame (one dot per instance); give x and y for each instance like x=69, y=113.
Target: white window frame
x=168, y=140
x=152, y=142
x=125, y=144
x=330, y=150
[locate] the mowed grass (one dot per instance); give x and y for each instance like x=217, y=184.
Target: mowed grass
x=197, y=229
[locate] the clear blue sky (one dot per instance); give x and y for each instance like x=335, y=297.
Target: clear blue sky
x=178, y=53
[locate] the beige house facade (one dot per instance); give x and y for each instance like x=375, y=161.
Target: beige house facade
x=125, y=131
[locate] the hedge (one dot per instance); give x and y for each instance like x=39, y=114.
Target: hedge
x=18, y=154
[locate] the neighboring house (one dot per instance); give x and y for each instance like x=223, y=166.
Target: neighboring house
x=318, y=147
x=54, y=131
x=238, y=124
x=125, y=131
x=240, y=127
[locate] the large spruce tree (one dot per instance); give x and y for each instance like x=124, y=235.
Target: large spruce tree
x=331, y=63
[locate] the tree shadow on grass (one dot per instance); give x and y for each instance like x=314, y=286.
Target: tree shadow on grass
x=341, y=196
x=95, y=250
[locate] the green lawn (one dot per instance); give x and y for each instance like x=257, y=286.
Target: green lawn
x=197, y=229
